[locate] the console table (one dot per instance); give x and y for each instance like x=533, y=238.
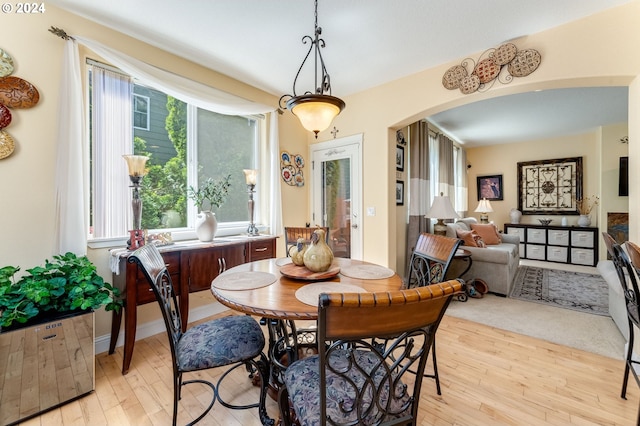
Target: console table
x=562, y=244
x=192, y=265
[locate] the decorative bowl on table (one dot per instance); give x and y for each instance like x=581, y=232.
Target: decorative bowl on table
x=545, y=222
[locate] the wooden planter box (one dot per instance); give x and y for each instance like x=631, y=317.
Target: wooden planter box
x=45, y=365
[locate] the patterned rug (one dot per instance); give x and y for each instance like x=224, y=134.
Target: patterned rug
x=564, y=289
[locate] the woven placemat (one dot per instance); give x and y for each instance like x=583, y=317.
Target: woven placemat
x=367, y=272
x=246, y=280
x=309, y=293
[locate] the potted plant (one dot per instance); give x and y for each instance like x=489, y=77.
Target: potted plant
x=50, y=311
x=211, y=193
x=62, y=286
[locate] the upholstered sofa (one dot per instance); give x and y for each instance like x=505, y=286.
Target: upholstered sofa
x=497, y=263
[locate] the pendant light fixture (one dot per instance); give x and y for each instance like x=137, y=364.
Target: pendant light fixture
x=315, y=110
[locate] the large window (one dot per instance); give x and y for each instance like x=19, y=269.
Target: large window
x=186, y=145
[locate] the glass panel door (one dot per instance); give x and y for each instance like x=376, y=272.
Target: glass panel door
x=336, y=194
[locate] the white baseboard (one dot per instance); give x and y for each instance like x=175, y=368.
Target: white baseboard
x=155, y=327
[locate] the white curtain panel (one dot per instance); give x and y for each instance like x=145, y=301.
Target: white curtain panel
x=72, y=161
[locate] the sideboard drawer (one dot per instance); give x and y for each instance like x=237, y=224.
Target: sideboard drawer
x=581, y=256
x=259, y=250
x=516, y=231
x=535, y=235
x=558, y=237
x=557, y=254
x=582, y=239
x=535, y=252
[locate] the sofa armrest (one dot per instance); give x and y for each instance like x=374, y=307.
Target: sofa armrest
x=490, y=255
x=510, y=238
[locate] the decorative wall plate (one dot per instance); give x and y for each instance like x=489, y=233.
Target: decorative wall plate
x=7, y=145
x=505, y=53
x=18, y=93
x=5, y=116
x=6, y=64
x=487, y=70
x=451, y=78
x=525, y=62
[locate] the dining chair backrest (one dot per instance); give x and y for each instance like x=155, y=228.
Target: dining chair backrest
x=408, y=319
x=292, y=233
x=632, y=261
x=430, y=259
x=154, y=269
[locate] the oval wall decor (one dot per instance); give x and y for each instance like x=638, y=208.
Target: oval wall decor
x=18, y=93
x=5, y=116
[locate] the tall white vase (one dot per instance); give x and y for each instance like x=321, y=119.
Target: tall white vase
x=515, y=215
x=206, y=225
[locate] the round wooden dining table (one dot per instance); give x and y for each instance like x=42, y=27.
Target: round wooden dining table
x=282, y=294
x=246, y=288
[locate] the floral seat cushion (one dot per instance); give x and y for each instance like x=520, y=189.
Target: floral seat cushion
x=220, y=342
x=302, y=380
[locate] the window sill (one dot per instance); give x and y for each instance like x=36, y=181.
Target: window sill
x=179, y=235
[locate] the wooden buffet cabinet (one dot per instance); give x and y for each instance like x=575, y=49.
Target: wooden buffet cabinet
x=192, y=265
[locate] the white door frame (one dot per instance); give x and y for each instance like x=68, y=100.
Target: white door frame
x=346, y=147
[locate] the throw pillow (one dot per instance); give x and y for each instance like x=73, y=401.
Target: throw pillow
x=488, y=232
x=470, y=238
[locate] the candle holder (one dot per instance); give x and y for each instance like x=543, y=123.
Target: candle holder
x=250, y=177
x=136, y=165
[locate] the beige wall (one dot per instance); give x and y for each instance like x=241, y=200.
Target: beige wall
x=592, y=51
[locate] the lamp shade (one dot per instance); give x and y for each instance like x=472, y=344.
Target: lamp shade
x=315, y=112
x=250, y=176
x=484, y=206
x=442, y=208
x=136, y=164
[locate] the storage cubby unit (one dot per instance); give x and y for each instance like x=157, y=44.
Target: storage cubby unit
x=562, y=244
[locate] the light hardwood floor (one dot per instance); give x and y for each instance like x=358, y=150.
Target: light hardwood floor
x=488, y=376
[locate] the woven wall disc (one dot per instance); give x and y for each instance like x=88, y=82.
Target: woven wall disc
x=487, y=70
x=6, y=63
x=5, y=116
x=505, y=53
x=18, y=93
x=451, y=78
x=469, y=84
x=525, y=62
x=7, y=145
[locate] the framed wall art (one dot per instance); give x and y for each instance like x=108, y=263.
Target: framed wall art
x=490, y=187
x=550, y=186
x=399, y=158
x=399, y=193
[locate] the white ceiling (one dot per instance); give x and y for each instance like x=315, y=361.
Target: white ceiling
x=368, y=43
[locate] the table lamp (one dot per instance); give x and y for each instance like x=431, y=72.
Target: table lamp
x=136, y=165
x=484, y=207
x=441, y=209
x=250, y=176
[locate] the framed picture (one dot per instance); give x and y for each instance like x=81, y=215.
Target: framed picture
x=399, y=193
x=399, y=158
x=550, y=186
x=490, y=187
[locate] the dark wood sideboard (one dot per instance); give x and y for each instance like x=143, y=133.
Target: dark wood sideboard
x=192, y=265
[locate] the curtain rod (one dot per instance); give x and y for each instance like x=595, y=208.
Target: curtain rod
x=60, y=33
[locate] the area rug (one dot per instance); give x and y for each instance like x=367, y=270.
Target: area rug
x=571, y=290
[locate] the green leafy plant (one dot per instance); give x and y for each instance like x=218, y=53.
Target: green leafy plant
x=213, y=192
x=68, y=283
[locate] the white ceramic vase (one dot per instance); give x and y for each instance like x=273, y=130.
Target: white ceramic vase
x=515, y=215
x=584, y=220
x=206, y=226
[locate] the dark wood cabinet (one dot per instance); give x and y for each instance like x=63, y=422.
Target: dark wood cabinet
x=192, y=266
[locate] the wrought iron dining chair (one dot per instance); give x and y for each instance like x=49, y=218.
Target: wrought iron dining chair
x=429, y=264
x=234, y=341
x=351, y=381
x=631, y=264
x=292, y=233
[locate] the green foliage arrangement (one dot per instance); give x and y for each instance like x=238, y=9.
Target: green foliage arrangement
x=212, y=192
x=68, y=283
